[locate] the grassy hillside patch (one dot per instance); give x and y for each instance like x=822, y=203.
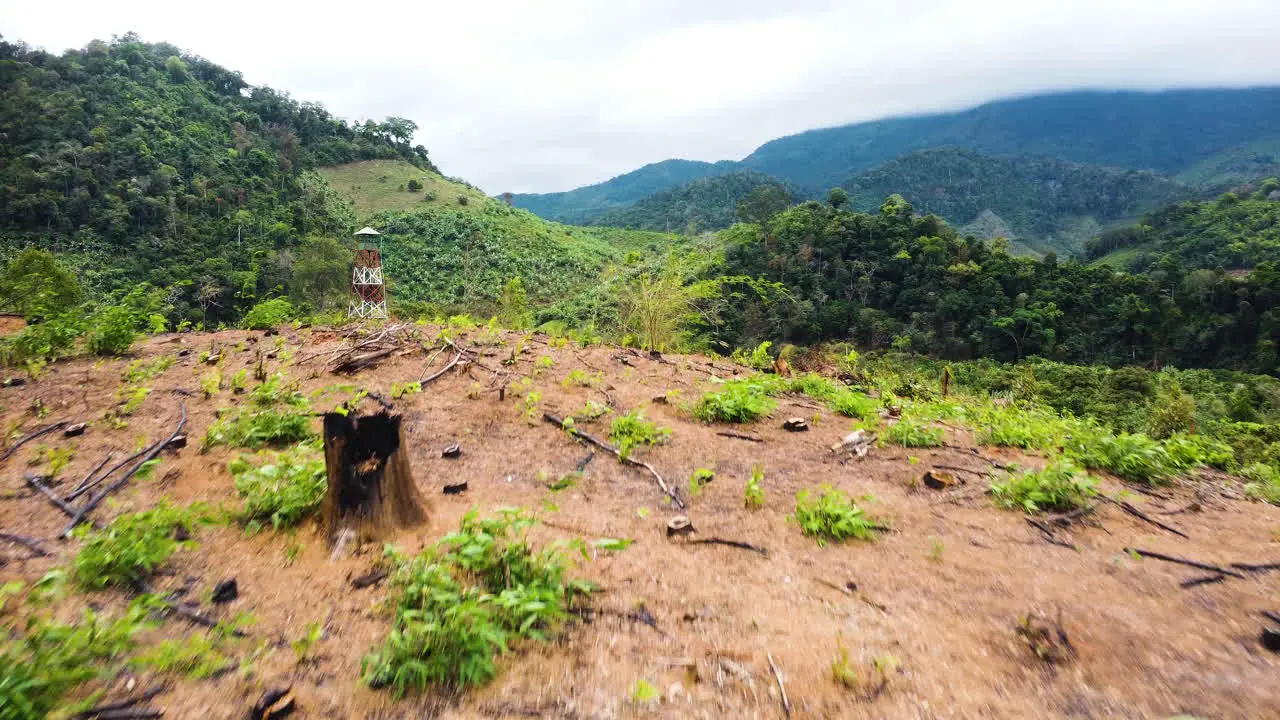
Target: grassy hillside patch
x=375, y=186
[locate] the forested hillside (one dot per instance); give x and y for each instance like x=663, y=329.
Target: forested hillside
x=1238, y=230
x=137, y=162
x=1042, y=202
x=895, y=279
x=707, y=204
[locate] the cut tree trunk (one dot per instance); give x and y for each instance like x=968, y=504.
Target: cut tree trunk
x=371, y=489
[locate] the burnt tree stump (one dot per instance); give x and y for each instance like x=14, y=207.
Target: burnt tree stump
x=371, y=489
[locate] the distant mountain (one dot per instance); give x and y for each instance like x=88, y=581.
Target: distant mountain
x=577, y=206
x=1161, y=131
x=707, y=204
x=1167, y=132
x=1044, y=203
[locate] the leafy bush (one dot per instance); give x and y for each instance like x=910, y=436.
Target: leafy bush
x=737, y=401
x=633, y=430
x=1060, y=486
x=414, y=185
x=258, y=429
x=49, y=340
x=855, y=405
x=909, y=433
x=1134, y=457
x=1187, y=451
x=460, y=605
x=268, y=314
x=832, y=516
x=757, y=359
x=128, y=550
x=1172, y=410
x=46, y=661
x=1029, y=429
x=112, y=330
x=280, y=488
x=1264, y=482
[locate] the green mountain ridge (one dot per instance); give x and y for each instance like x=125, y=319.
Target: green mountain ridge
x=706, y=204
x=1167, y=132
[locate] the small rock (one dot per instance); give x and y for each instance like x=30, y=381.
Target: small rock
x=659, y=400
x=184, y=352
x=452, y=451
x=679, y=525
x=225, y=591
x=213, y=359
x=15, y=382
x=275, y=703
x=178, y=442
x=272, y=355
x=455, y=488
x=1270, y=639
x=795, y=424
x=938, y=480
x=74, y=430
x=269, y=332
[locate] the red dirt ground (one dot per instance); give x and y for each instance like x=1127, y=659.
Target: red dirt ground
x=941, y=594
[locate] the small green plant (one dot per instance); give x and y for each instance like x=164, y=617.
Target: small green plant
x=240, y=381
x=842, y=670
x=936, y=548
x=1060, y=486
x=211, y=383
x=643, y=692
x=291, y=552
x=56, y=459
x=582, y=378
x=196, y=656
x=699, y=479
x=280, y=488
x=303, y=645
x=1132, y=456
x=141, y=370
x=128, y=550
x=593, y=410
x=544, y=363
x=112, y=330
x=831, y=515
x=908, y=433
x=401, y=389
x=564, y=482
x=531, y=400
x=134, y=401
x=268, y=314
x=757, y=359
x=753, y=493
x=632, y=430
x=612, y=544
x=737, y=401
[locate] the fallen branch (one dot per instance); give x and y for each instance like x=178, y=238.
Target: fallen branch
x=1183, y=561
x=1047, y=533
x=445, y=369
x=851, y=589
x=1273, y=617
x=740, y=436
x=1205, y=580
x=24, y=440
x=93, y=502
x=1143, y=516
x=357, y=363
x=786, y=704
x=196, y=617
x=87, y=486
x=380, y=399
x=730, y=543
x=58, y=502
x=1246, y=567
x=92, y=473
x=122, y=704
x=954, y=468
x=29, y=543
x=370, y=578
x=611, y=449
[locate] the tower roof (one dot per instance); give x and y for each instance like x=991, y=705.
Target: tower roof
x=367, y=231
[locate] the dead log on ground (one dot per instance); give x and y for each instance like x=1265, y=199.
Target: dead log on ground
x=740, y=436
x=29, y=543
x=371, y=489
x=1125, y=506
x=730, y=543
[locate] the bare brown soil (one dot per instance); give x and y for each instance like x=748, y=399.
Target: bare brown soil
x=941, y=594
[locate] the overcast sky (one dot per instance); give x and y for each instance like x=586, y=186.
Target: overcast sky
x=546, y=96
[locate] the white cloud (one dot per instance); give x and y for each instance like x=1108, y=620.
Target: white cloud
x=545, y=96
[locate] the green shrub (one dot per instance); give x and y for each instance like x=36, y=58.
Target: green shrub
x=633, y=430
x=1172, y=410
x=1188, y=451
x=1264, y=482
x=737, y=401
x=196, y=656
x=1060, y=486
x=699, y=479
x=465, y=602
x=1029, y=429
x=259, y=429
x=49, y=340
x=112, y=330
x=909, y=433
x=280, y=488
x=268, y=314
x=855, y=405
x=1131, y=456
x=45, y=661
x=414, y=185
x=832, y=516
x=757, y=359
x=129, y=549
